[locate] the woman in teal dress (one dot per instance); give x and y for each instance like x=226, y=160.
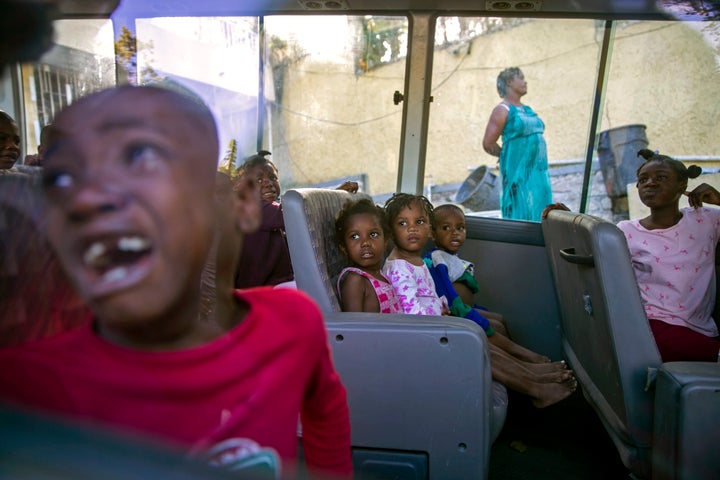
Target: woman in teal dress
x=523, y=155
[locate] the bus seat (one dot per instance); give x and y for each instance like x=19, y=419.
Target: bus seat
x=608, y=342
x=309, y=215
x=419, y=388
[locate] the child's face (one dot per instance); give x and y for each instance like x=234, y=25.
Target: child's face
x=411, y=229
x=9, y=145
x=129, y=180
x=658, y=185
x=364, y=242
x=449, y=230
x=267, y=180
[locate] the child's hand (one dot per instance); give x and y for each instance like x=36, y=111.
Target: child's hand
x=349, y=186
x=445, y=306
x=703, y=193
x=553, y=206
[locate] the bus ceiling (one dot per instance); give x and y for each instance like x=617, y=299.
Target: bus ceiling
x=80, y=8
x=598, y=9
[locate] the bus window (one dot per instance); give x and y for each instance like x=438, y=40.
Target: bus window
x=661, y=93
x=81, y=61
x=218, y=64
x=325, y=84
x=559, y=61
x=329, y=99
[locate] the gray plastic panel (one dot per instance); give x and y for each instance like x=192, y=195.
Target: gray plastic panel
x=606, y=335
x=417, y=384
x=687, y=409
x=381, y=465
x=309, y=215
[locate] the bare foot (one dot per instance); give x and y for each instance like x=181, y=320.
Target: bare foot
x=555, y=377
x=551, y=393
x=529, y=356
x=542, y=368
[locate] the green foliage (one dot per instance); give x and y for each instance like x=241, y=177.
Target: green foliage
x=126, y=47
x=228, y=163
x=126, y=51
x=382, y=37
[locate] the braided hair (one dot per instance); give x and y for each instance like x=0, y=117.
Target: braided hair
x=358, y=207
x=259, y=158
x=398, y=201
x=683, y=172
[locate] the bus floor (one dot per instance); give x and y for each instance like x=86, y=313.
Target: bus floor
x=565, y=441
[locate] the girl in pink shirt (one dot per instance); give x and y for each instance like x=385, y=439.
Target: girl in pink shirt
x=673, y=255
x=360, y=231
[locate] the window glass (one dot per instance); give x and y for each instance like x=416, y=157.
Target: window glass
x=559, y=61
x=214, y=58
x=661, y=94
x=323, y=115
x=81, y=61
x=329, y=99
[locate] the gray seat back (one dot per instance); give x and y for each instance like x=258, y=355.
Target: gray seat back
x=605, y=333
x=415, y=387
x=419, y=387
x=309, y=215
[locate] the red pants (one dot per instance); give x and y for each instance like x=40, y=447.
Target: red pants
x=678, y=343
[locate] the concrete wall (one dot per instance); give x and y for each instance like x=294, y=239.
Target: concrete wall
x=663, y=75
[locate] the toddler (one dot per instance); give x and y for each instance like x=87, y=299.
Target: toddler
x=453, y=276
x=411, y=220
x=361, y=234
x=408, y=217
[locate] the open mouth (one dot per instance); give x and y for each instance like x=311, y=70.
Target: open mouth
x=270, y=195
x=116, y=262
x=8, y=159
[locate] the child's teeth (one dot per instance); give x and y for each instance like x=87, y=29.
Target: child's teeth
x=114, y=274
x=132, y=244
x=93, y=253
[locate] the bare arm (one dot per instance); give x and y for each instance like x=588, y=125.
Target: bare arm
x=703, y=193
x=494, y=129
x=354, y=294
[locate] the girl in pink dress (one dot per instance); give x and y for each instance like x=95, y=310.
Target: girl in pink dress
x=409, y=218
x=360, y=230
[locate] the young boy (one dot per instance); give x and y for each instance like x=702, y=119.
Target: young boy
x=129, y=179
x=513, y=365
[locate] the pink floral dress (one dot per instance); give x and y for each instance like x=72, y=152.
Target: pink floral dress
x=385, y=292
x=414, y=286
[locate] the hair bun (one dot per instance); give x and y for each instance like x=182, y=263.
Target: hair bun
x=646, y=153
x=693, y=171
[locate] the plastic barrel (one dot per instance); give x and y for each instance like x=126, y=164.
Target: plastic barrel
x=480, y=191
x=617, y=155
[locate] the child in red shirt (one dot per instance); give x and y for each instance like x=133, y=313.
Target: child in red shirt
x=130, y=181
